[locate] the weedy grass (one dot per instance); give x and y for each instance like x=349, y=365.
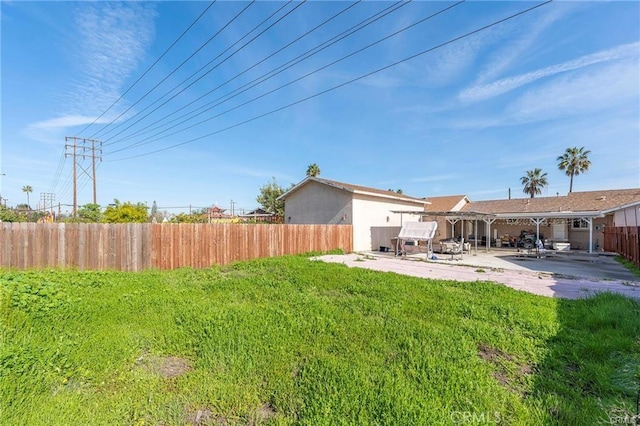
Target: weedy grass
x=295, y=341
x=629, y=265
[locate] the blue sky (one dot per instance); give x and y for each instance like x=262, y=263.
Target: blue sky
x=456, y=114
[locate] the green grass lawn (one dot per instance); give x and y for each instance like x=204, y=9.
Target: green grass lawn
x=294, y=341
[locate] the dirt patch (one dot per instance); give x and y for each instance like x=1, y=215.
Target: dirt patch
x=501, y=361
x=200, y=417
x=204, y=416
x=167, y=367
x=263, y=413
x=492, y=355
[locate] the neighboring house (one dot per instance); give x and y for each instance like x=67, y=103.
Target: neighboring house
x=578, y=218
x=216, y=212
x=258, y=215
x=368, y=210
x=449, y=203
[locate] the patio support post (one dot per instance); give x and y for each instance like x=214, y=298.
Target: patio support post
x=453, y=223
x=537, y=221
x=488, y=222
x=463, y=232
x=475, y=234
x=589, y=220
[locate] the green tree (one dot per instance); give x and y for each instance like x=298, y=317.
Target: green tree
x=533, y=182
x=313, y=170
x=155, y=215
x=125, y=213
x=573, y=162
x=90, y=213
x=268, y=198
x=11, y=215
x=197, y=216
x=28, y=189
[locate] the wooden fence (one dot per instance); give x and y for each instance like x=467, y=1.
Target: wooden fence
x=134, y=246
x=624, y=240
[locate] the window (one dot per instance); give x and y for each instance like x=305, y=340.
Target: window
x=579, y=224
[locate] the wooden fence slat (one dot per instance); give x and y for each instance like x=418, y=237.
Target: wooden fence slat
x=625, y=241
x=134, y=247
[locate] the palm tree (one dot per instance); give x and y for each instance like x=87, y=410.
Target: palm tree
x=534, y=181
x=574, y=161
x=27, y=189
x=313, y=170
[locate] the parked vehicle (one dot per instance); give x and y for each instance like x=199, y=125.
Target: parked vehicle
x=527, y=239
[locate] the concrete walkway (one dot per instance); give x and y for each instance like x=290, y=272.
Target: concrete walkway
x=570, y=277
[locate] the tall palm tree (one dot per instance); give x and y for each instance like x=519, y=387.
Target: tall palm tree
x=313, y=170
x=534, y=181
x=574, y=161
x=27, y=189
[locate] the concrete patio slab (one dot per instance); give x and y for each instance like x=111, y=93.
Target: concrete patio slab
x=572, y=276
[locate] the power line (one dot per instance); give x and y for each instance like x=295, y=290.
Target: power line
x=63, y=157
x=450, y=41
x=147, y=141
x=147, y=70
x=206, y=73
x=141, y=131
x=261, y=79
x=58, y=172
x=236, y=16
x=80, y=151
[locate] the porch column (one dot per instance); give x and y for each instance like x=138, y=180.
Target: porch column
x=475, y=234
x=488, y=222
x=537, y=221
x=589, y=220
x=453, y=223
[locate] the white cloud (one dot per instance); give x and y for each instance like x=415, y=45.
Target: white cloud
x=53, y=130
x=603, y=88
x=64, y=121
x=453, y=60
x=477, y=93
x=113, y=40
x=518, y=40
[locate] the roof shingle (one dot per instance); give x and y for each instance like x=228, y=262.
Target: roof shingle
x=573, y=202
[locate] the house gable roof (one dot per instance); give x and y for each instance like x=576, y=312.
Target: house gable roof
x=589, y=201
x=355, y=189
x=447, y=203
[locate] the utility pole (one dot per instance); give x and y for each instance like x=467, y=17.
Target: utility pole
x=233, y=203
x=1, y=174
x=47, y=199
x=88, y=148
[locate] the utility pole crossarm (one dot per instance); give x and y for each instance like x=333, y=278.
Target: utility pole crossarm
x=88, y=148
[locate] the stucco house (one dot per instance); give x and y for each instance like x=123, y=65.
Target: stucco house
x=368, y=210
x=578, y=218
x=447, y=203
x=575, y=221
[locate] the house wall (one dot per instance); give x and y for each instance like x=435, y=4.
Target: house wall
x=381, y=236
x=579, y=238
x=557, y=230
x=627, y=217
x=371, y=212
x=316, y=203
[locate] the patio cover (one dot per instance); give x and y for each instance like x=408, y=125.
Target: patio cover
x=535, y=217
x=417, y=231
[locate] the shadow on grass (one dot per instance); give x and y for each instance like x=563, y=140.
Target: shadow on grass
x=591, y=371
